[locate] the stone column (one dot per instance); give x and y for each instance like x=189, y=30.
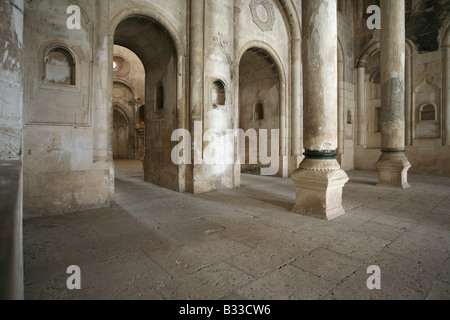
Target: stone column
x=11, y=145
x=361, y=139
x=319, y=179
x=446, y=97
x=296, y=97
x=101, y=91
x=196, y=83
x=236, y=45
x=393, y=165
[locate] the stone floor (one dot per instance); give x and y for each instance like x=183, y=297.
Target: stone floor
x=245, y=244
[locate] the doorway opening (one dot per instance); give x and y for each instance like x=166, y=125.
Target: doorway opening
x=259, y=104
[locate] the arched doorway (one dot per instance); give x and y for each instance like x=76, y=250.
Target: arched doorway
x=260, y=95
x=122, y=148
x=152, y=43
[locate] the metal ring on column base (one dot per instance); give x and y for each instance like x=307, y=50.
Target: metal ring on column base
x=393, y=150
x=320, y=155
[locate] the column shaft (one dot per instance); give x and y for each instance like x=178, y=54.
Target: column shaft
x=319, y=179
x=102, y=97
x=393, y=164
x=361, y=107
x=447, y=91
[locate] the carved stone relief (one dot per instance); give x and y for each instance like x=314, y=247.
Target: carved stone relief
x=263, y=14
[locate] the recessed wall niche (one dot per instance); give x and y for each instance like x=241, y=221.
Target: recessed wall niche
x=258, y=113
x=59, y=66
x=427, y=125
x=427, y=110
x=427, y=113
x=218, y=94
x=159, y=97
x=61, y=97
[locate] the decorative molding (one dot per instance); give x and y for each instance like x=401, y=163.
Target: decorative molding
x=219, y=42
x=263, y=14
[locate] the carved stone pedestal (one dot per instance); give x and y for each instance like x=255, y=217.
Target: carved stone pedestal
x=319, y=185
x=393, y=170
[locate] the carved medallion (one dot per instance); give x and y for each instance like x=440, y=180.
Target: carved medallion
x=263, y=14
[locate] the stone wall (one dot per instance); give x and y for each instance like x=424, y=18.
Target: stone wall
x=11, y=170
x=67, y=165
x=11, y=87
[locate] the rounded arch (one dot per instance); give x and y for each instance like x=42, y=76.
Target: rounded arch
x=271, y=52
x=72, y=54
x=117, y=106
x=361, y=61
x=291, y=18
x=259, y=45
x=151, y=13
x=444, y=37
x=126, y=84
x=259, y=62
x=153, y=38
x=428, y=111
x=374, y=47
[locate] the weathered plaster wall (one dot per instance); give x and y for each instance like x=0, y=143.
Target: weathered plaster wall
x=66, y=166
x=11, y=86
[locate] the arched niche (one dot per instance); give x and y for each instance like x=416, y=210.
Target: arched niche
x=258, y=113
x=427, y=117
x=159, y=97
x=218, y=94
x=59, y=66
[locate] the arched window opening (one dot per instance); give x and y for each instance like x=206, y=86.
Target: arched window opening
x=349, y=117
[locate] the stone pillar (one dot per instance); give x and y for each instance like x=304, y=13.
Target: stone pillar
x=11, y=137
x=196, y=83
x=446, y=97
x=319, y=179
x=296, y=101
x=361, y=107
x=408, y=96
x=393, y=165
x=236, y=31
x=101, y=98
